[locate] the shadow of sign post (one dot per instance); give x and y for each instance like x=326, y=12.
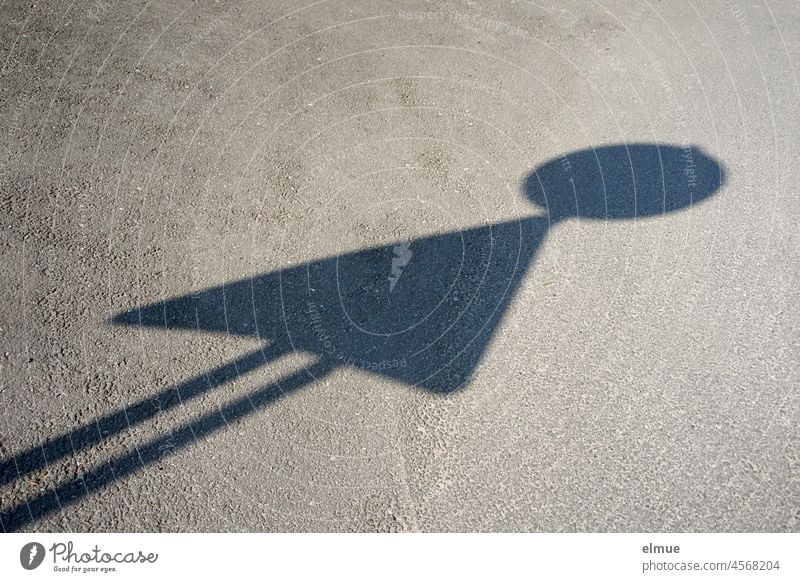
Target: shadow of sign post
x=419, y=312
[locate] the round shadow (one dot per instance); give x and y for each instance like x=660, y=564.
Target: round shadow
x=624, y=181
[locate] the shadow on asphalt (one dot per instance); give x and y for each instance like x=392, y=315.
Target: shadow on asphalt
x=420, y=312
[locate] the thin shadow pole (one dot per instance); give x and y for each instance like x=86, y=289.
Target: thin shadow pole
x=68, y=493
x=87, y=435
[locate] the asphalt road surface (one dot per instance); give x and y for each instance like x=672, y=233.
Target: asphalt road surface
x=399, y=266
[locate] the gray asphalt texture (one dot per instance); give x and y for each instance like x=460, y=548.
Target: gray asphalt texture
x=197, y=196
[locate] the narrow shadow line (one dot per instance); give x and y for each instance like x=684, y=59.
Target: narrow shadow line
x=68, y=493
x=87, y=435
